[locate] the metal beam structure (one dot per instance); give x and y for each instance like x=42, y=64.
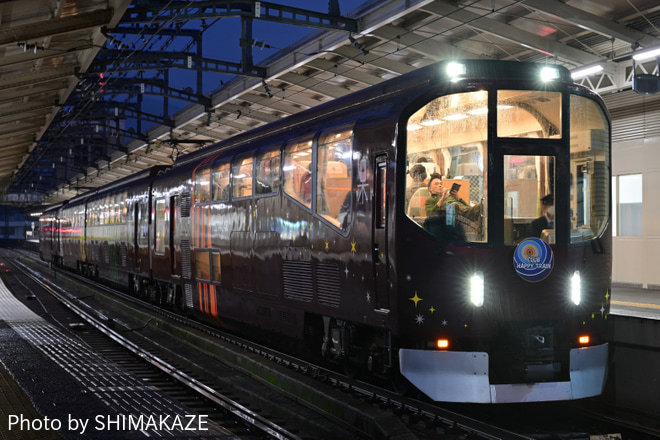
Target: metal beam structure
x=130, y=78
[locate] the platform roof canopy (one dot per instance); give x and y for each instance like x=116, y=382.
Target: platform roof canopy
x=94, y=90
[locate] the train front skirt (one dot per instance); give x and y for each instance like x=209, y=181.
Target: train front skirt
x=463, y=377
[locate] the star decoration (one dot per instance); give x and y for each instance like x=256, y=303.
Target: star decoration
x=368, y=297
x=607, y=296
x=432, y=309
x=327, y=245
x=353, y=247
x=415, y=299
x=419, y=319
x=444, y=322
x=346, y=271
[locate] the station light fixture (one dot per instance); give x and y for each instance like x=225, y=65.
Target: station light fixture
x=586, y=71
x=647, y=54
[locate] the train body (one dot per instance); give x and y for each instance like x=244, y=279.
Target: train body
x=323, y=227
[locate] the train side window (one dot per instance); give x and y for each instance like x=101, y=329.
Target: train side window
x=242, y=177
x=124, y=208
x=143, y=225
x=162, y=226
x=334, y=179
x=220, y=178
x=202, y=266
x=215, y=267
x=268, y=172
x=298, y=170
x=202, y=185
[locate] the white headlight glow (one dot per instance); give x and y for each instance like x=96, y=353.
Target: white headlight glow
x=477, y=289
x=549, y=73
x=576, y=289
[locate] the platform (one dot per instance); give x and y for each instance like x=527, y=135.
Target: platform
x=635, y=302
x=55, y=386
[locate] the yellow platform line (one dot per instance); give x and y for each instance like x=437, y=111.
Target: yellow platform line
x=634, y=304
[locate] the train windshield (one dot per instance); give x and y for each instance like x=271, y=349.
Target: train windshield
x=447, y=144
x=590, y=169
x=447, y=175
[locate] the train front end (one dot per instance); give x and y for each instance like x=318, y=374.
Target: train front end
x=504, y=243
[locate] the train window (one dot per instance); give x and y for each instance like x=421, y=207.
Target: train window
x=298, y=170
x=202, y=185
x=220, y=178
x=449, y=137
x=334, y=180
x=529, y=114
x=215, y=267
x=242, y=177
x=161, y=226
x=143, y=225
x=124, y=208
x=268, y=172
x=202, y=266
x=590, y=168
x=529, y=188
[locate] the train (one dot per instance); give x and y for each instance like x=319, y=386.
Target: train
x=393, y=231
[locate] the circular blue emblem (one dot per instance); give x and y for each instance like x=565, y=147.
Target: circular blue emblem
x=533, y=259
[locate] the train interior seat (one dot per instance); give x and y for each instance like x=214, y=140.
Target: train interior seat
x=416, y=207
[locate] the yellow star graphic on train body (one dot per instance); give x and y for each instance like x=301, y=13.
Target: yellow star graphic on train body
x=327, y=245
x=607, y=296
x=353, y=247
x=415, y=299
x=432, y=309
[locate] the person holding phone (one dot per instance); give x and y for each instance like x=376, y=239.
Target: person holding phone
x=441, y=197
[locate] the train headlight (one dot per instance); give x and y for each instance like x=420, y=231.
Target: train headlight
x=477, y=289
x=455, y=70
x=576, y=288
x=549, y=73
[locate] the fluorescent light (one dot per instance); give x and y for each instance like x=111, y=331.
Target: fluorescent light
x=432, y=122
x=454, y=117
x=652, y=53
x=591, y=70
x=479, y=111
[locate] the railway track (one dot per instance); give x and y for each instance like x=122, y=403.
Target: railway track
x=143, y=362
x=363, y=410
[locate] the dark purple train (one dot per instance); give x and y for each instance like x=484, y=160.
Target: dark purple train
x=451, y=225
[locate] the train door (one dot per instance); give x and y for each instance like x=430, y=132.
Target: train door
x=175, y=256
x=380, y=233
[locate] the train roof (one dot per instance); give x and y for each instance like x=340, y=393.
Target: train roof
x=475, y=70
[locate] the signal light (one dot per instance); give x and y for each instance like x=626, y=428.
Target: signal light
x=443, y=344
x=584, y=339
